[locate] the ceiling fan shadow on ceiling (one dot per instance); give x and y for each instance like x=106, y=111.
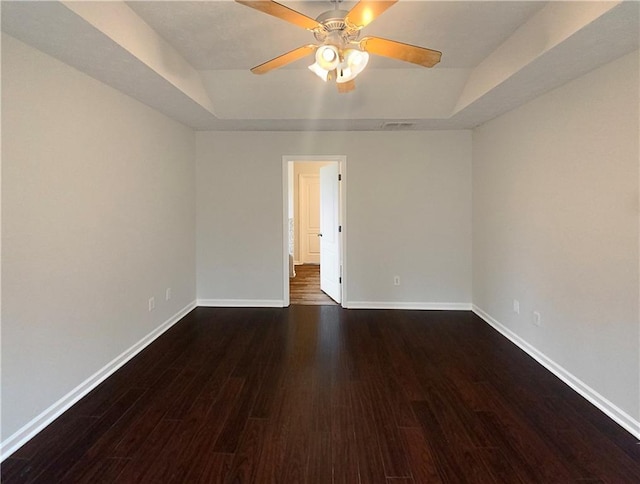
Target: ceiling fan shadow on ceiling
x=340, y=55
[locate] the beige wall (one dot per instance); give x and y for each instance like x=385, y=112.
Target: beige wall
x=555, y=226
x=98, y=215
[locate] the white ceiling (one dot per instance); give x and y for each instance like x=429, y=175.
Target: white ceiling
x=465, y=31
x=191, y=59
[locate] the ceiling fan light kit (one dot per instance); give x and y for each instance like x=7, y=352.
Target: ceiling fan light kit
x=343, y=65
x=340, y=55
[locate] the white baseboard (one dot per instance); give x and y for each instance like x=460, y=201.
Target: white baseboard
x=618, y=415
x=241, y=303
x=23, y=435
x=408, y=305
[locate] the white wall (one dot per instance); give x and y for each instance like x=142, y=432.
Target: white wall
x=555, y=225
x=98, y=214
x=408, y=213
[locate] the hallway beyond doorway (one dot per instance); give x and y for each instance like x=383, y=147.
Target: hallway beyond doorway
x=304, y=288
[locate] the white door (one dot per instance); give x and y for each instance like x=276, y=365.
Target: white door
x=309, y=217
x=330, y=277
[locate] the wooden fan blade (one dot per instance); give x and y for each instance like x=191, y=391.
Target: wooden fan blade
x=346, y=86
x=285, y=13
x=365, y=12
x=398, y=50
x=285, y=59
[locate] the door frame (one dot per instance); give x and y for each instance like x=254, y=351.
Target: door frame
x=342, y=164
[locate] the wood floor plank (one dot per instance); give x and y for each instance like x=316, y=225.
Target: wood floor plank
x=142, y=465
x=229, y=436
x=304, y=288
x=244, y=465
x=460, y=424
x=586, y=417
x=343, y=449
x=322, y=394
x=296, y=456
x=74, y=450
x=450, y=460
x=501, y=467
x=369, y=457
x=272, y=457
x=170, y=466
x=194, y=455
x=102, y=470
x=319, y=468
x=15, y=470
x=527, y=442
x=53, y=438
x=519, y=466
x=48, y=447
x=296, y=451
x=214, y=470
x=202, y=380
x=271, y=464
x=420, y=456
x=129, y=435
x=390, y=441
x=396, y=355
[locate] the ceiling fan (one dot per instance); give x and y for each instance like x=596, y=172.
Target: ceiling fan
x=341, y=55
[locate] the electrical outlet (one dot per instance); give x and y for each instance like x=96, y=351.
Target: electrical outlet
x=152, y=303
x=537, y=319
x=396, y=280
x=167, y=294
x=516, y=306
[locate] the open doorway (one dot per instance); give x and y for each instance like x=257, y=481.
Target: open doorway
x=314, y=229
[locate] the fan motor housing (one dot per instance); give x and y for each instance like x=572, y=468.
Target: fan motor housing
x=332, y=22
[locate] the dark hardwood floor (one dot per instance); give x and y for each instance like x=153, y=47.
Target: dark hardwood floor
x=322, y=394
x=305, y=287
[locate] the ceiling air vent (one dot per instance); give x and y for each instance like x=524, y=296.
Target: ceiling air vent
x=396, y=125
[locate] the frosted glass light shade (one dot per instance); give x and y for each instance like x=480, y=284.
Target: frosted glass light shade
x=327, y=57
x=354, y=63
x=319, y=71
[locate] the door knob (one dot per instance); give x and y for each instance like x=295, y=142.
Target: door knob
x=319, y=235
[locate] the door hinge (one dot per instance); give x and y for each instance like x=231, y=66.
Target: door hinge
x=339, y=177
x=340, y=280
x=339, y=228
